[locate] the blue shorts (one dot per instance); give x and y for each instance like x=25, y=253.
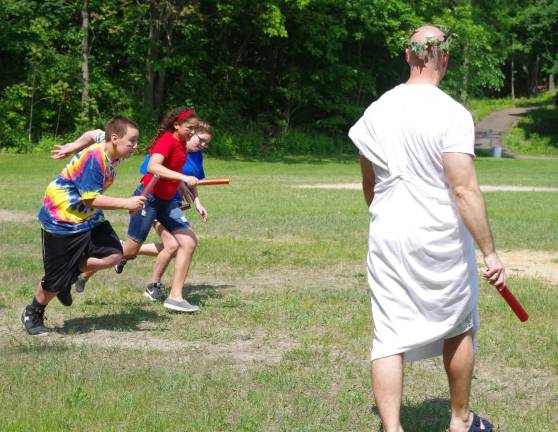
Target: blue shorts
x=166, y=212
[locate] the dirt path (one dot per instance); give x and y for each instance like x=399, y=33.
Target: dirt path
x=488, y=133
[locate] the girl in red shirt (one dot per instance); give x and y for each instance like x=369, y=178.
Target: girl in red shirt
x=168, y=156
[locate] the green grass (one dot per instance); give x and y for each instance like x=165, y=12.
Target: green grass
x=536, y=133
x=481, y=108
x=282, y=339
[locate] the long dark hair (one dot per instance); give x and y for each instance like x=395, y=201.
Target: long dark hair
x=167, y=123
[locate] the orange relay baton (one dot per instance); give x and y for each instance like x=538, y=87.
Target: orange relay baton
x=213, y=182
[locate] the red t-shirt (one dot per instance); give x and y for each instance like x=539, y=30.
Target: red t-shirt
x=175, y=154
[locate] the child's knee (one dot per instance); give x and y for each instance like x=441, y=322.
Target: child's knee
x=171, y=247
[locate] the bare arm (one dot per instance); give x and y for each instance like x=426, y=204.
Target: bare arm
x=191, y=195
x=368, y=179
x=462, y=179
x=85, y=140
x=111, y=203
x=156, y=167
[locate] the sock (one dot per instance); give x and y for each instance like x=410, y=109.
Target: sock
x=36, y=305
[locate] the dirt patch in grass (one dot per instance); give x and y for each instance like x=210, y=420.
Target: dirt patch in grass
x=257, y=347
x=17, y=216
x=484, y=188
x=251, y=347
x=7, y=215
x=530, y=264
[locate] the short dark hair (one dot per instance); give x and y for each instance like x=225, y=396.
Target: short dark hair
x=119, y=126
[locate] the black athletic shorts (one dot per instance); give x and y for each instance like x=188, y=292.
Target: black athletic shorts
x=63, y=253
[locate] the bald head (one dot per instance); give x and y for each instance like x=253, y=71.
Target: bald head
x=426, y=54
x=428, y=32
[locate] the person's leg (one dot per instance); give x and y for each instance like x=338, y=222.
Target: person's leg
x=387, y=385
x=166, y=253
x=459, y=362
x=150, y=249
x=42, y=296
x=187, y=242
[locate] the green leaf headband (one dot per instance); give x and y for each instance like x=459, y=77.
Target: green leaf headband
x=442, y=45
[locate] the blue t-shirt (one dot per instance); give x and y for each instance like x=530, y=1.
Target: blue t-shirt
x=192, y=167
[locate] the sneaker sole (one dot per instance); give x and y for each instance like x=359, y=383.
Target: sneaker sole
x=179, y=309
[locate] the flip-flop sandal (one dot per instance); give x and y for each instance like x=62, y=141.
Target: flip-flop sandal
x=480, y=424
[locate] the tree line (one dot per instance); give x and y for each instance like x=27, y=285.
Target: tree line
x=270, y=66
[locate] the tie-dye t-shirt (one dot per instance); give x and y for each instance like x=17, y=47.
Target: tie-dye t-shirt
x=87, y=175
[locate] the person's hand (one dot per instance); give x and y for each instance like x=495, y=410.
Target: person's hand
x=62, y=151
x=495, y=273
x=202, y=211
x=190, y=181
x=135, y=202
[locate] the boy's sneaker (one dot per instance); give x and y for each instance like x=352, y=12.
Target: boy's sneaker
x=180, y=306
x=79, y=284
x=65, y=297
x=119, y=268
x=34, y=321
x=154, y=291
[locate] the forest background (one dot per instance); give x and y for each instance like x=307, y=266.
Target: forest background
x=272, y=76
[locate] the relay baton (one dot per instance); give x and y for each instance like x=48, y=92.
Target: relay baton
x=513, y=303
x=213, y=182
x=148, y=190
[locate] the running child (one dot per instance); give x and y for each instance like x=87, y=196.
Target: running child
x=75, y=235
x=166, y=250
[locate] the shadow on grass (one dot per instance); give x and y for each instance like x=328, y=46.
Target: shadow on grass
x=543, y=123
x=123, y=321
x=432, y=415
x=199, y=294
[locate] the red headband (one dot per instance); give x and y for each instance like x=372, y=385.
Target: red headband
x=185, y=114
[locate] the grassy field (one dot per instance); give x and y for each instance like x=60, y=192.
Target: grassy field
x=283, y=336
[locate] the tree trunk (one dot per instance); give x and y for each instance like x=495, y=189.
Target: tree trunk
x=30, y=128
x=533, y=77
x=85, y=59
x=551, y=84
x=512, y=80
x=464, y=93
x=152, y=58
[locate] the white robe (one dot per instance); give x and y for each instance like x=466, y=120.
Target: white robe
x=421, y=262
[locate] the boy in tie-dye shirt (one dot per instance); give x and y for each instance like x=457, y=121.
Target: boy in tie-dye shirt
x=76, y=237
x=86, y=176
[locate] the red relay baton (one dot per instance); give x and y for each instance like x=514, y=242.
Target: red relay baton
x=513, y=303
x=148, y=189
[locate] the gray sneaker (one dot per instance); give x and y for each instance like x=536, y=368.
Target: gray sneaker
x=180, y=306
x=154, y=291
x=79, y=284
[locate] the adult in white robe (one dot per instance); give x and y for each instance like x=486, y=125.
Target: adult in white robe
x=417, y=148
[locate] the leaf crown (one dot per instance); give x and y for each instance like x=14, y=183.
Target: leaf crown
x=443, y=45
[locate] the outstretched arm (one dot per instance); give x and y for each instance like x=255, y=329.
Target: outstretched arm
x=111, y=203
x=65, y=150
x=462, y=179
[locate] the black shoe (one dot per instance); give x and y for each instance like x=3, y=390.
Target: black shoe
x=119, y=268
x=65, y=298
x=154, y=292
x=79, y=284
x=34, y=321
